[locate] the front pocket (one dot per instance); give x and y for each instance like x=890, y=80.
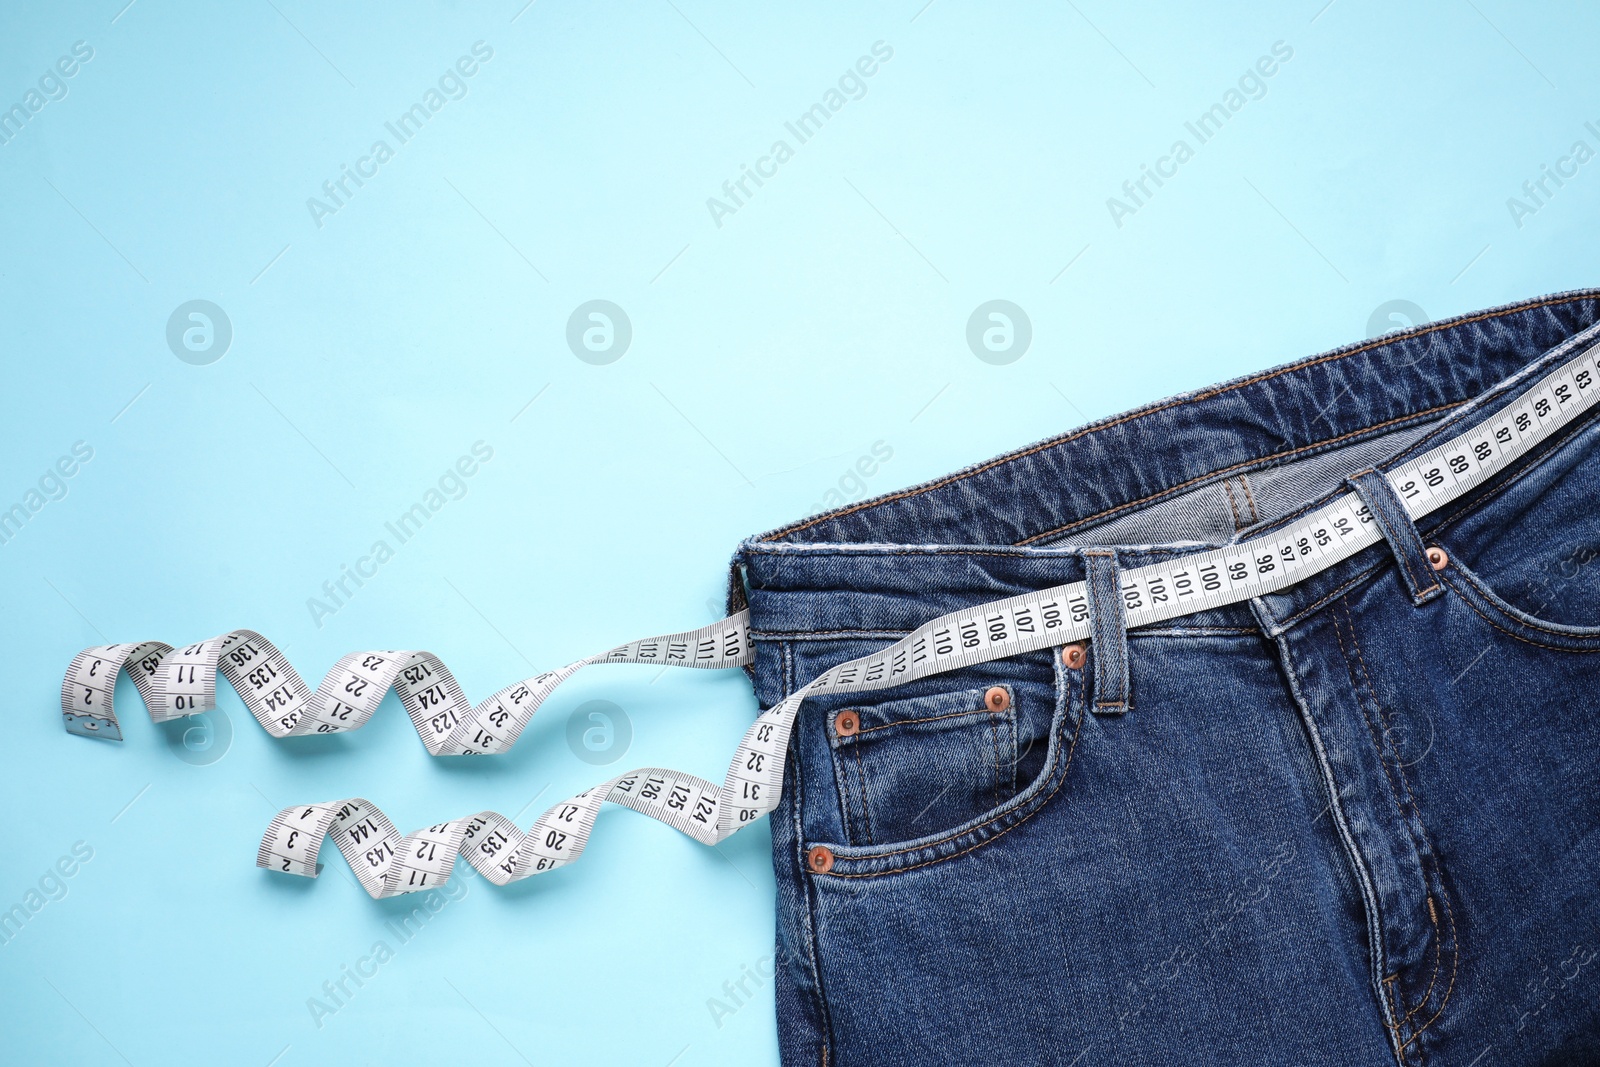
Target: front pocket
x=1508, y=619
x=908, y=768
x=1530, y=550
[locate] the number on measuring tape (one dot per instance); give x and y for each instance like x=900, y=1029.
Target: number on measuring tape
x=174, y=682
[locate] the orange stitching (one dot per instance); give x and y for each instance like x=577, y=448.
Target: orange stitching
x=861, y=787
x=927, y=718
x=1323, y=600
x=1411, y=799
x=1271, y=457
x=1394, y=791
x=1438, y=944
x=1313, y=361
x=1233, y=506
x=1455, y=960
x=1255, y=512
x=1490, y=596
x=1515, y=636
x=1037, y=807
x=994, y=736
x=1393, y=1005
x=1391, y=774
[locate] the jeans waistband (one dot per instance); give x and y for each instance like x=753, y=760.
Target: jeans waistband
x=1144, y=480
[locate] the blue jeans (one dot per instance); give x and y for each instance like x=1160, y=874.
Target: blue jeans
x=1353, y=822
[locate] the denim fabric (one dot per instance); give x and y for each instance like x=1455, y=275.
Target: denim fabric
x=1352, y=822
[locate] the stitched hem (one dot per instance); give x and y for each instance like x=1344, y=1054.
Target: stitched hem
x=925, y=718
x=1364, y=694
x=1271, y=459
x=1516, y=636
x=1220, y=390
x=809, y=925
x=1065, y=683
x=1428, y=862
x=1233, y=506
x=1582, y=634
x=1040, y=806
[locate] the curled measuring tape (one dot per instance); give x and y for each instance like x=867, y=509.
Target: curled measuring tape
x=180, y=682
x=175, y=682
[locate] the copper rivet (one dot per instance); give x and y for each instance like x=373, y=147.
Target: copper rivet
x=846, y=724
x=1073, y=655
x=820, y=859
x=997, y=699
x=1437, y=559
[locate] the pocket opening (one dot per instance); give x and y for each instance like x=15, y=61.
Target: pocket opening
x=887, y=756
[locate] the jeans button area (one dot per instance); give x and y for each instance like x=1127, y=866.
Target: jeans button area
x=846, y=724
x=997, y=699
x=1438, y=559
x=820, y=859
x=1073, y=655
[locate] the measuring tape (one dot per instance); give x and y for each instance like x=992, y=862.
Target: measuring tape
x=183, y=681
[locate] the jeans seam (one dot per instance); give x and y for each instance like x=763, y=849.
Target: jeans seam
x=1393, y=774
x=861, y=786
x=994, y=738
x=926, y=718
x=1063, y=770
x=809, y=933
x=1393, y=790
x=1432, y=861
x=1012, y=724
x=841, y=777
x=1489, y=595
x=1223, y=390
x=1529, y=465
x=1509, y=633
x=1270, y=458
x=1255, y=512
x=1233, y=506
x=1358, y=862
x=1334, y=593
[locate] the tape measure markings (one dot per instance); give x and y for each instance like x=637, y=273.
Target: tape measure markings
x=389, y=864
x=176, y=682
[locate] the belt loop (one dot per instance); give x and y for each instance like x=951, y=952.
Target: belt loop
x=1400, y=531
x=1108, y=633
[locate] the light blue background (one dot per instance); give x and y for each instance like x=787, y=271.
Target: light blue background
x=828, y=313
